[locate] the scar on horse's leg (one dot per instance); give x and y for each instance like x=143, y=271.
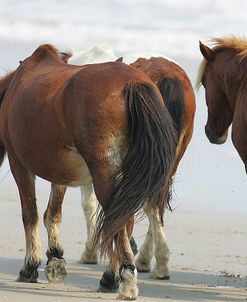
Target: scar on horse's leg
x=128, y=289
x=161, y=270
x=26, y=185
x=89, y=206
x=55, y=270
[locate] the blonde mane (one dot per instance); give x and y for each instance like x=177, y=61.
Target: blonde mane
x=232, y=42
x=200, y=73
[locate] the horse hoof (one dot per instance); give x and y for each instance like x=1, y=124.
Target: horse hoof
x=28, y=276
x=26, y=280
x=86, y=260
x=160, y=276
x=103, y=289
x=124, y=297
x=142, y=267
x=55, y=270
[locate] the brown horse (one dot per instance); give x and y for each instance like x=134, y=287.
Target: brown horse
x=67, y=124
x=178, y=96
x=223, y=75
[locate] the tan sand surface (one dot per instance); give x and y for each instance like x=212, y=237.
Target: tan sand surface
x=208, y=256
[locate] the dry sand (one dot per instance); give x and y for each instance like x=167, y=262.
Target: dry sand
x=208, y=256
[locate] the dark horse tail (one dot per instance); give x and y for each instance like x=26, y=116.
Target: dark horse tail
x=146, y=168
x=173, y=95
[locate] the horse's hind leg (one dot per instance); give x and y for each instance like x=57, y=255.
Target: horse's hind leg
x=56, y=267
x=111, y=277
x=26, y=185
x=162, y=253
x=109, y=282
x=143, y=261
x=89, y=206
x=128, y=274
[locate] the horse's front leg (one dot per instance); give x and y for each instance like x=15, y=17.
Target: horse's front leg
x=161, y=270
x=89, y=206
x=55, y=270
x=26, y=185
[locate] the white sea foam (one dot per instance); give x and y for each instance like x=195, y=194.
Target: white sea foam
x=172, y=27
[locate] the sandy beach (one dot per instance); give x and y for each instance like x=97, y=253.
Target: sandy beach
x=207, y=262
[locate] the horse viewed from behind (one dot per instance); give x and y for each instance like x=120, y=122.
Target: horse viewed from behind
x=223, y=74
x=71, y=125
x=178, y=96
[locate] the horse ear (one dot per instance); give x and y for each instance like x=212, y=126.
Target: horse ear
x=119, y=60
x=206, y=52
x=65, y=56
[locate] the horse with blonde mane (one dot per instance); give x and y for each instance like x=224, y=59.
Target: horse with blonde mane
x=73, y=125
x=223, y=74
x=178, y=96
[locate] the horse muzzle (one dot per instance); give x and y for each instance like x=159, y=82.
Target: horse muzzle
x=214, y=139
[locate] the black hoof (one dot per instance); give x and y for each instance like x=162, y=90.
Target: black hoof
x=108, y=283
x=164, y=278
x=28, y=277
x=55, y=270
x=103, y=289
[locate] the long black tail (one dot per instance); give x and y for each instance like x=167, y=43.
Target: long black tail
x=146, y=169
x=173, y=95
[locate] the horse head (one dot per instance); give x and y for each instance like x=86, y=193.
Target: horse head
x=220, y=113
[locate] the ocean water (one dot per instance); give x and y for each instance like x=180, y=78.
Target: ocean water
x=209, y=177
